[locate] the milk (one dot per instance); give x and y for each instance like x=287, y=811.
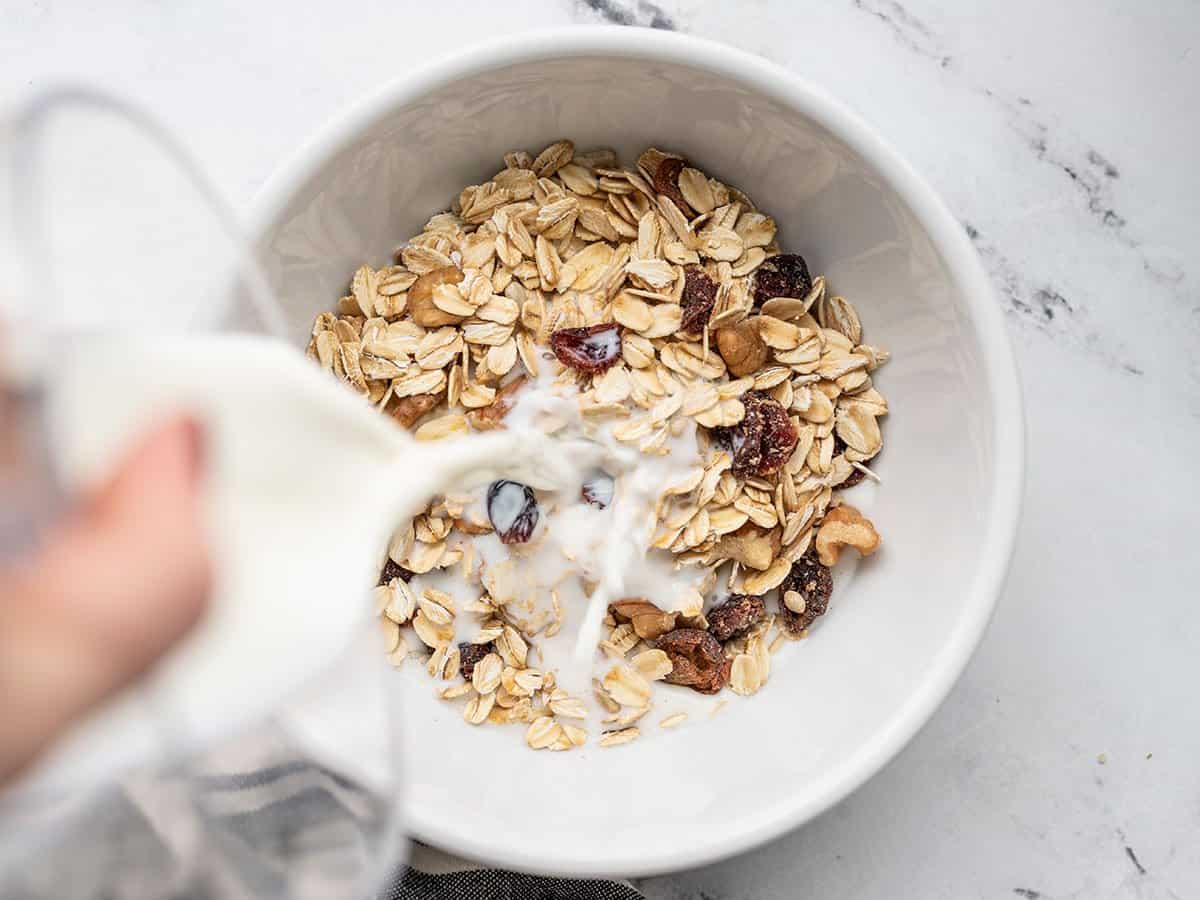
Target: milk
x=584, y=556
x=611, y=549
x=304, y=484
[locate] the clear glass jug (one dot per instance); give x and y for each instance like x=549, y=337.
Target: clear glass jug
x=109, y=226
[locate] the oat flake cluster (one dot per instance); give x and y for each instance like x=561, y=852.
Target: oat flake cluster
x=663, y=294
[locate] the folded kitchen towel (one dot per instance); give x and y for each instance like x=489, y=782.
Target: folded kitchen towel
x=433, y=875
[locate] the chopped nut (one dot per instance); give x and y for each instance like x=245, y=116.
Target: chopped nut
x=742, y=348
x=750, y=546
x=420, y=297
x=845, y=526
x=493, y=414
x=407, y=410
x=647, y=620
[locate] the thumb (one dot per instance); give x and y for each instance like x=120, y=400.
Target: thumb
x=113, y=588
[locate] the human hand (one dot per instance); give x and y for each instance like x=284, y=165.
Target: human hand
x=111, y=587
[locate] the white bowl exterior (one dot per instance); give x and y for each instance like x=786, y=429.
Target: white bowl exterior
x=840, y=704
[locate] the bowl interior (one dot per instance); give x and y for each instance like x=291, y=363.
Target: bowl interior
x=839, y=704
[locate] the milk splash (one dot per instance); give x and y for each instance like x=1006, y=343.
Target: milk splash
x=305, y=483
x=583, y=555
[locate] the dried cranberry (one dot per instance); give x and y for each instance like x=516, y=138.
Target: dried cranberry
x=591, y=349
x=469, y=654
x=735, y=616
x=513, y=510
x=666, y=181
x=785, y=275
x=812, y=581
x=699, y=297
x=598, y=490
x=765, y=438
x=392, y=569
x=697, y=659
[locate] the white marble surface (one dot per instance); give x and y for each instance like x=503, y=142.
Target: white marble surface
x=1065, y=137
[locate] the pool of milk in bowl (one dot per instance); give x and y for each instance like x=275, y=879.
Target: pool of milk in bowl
x=579, y=554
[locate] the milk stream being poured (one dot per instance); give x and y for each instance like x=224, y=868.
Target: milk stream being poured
x=582, y=556
x=306, y=484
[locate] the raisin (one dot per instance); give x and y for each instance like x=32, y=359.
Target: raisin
x=591, y=349
x=699, y=297
x=513, y=510
x=785, y=275
x=598, y=490
x=392, y=569
x=765, y=438
x=812, y=581
x=468, y=655
x=666, y=181
x=697, y=659
x=735, y=616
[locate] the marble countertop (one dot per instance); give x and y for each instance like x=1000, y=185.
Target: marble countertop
x=1065, y=137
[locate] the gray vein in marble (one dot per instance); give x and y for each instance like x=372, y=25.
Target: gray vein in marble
x=642, y=13
x=1043, y=306
x=1094, y=176
x=1086, y=168
x=1027, y=893
x=1090, y=172
x=1133, y=859
x=907, y=29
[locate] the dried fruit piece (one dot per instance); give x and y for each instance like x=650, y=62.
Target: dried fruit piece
x=666, y=181
x=393, y=569
x=469, y=654
x=591, y=349
x=697, y=660
x=845, y=526
x=513, y=510
x=648, y=621
x=785, y=275
x=765, y=438
x=814, y=583
x=742, y=347
x=598, y=490
x=699, y=297
x=735, y=616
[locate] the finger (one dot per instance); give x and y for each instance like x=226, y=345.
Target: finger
x=118, y=584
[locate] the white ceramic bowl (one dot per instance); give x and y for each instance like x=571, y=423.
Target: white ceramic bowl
x=841, y=704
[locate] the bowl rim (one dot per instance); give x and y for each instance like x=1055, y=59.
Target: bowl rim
x=946, y=233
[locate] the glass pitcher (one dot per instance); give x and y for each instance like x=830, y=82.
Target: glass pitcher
x=108, y=225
